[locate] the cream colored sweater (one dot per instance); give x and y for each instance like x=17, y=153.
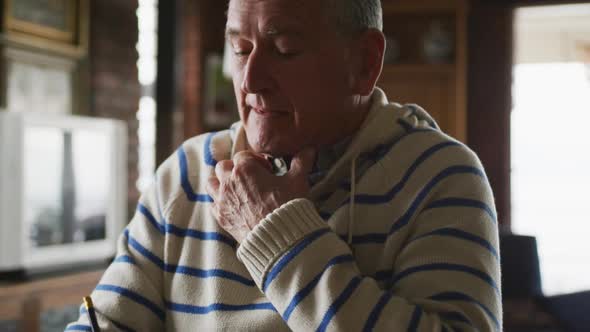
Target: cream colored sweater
x=410, y=244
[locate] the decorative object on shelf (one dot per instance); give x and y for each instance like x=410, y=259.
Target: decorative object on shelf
x=54, y=20
x=220, y=109
x=392, y=50
x=437, y=44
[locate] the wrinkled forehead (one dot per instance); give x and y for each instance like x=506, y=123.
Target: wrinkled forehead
x=262, y=12
x=286, y=4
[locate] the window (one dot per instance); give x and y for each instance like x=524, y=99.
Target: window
x=147, y=14
x=551, y=144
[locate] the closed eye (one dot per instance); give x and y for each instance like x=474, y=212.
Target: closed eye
x=241, y=53
x=287, y=54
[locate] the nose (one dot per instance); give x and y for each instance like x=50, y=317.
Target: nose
x=256, y=76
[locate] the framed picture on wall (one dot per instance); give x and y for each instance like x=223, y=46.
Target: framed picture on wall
x=54, y=20
x=38, y=83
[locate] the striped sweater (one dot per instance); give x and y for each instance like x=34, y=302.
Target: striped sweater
x=407, y=242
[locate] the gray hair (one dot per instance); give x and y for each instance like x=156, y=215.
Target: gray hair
x=355, y=16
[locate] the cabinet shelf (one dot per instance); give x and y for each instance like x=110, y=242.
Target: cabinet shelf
x=409, y=77
x=435, y=69
x=422, y=6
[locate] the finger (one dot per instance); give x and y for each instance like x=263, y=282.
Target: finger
x=243, y=158
x=215, y=213
x=302, y=162
x=212, y=188
x=223, y=169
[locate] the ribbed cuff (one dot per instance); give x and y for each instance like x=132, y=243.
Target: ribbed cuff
x=276, y=233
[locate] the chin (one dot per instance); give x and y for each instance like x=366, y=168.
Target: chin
x=276, y=148
x=277, y=141
x=276, y=151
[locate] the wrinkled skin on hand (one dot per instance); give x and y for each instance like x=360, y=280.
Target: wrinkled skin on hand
x=244, y=190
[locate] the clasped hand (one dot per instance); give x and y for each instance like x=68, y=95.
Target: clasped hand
x=244, y=190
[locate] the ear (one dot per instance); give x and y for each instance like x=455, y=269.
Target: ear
x=370, y=49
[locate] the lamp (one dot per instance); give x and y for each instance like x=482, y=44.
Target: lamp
x=521, y=275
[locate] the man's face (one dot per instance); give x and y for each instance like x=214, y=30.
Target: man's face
x=291, y=73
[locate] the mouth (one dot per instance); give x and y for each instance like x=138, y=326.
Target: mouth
x=269, y=112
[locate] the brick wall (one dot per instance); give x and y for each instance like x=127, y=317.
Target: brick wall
x=114, y=87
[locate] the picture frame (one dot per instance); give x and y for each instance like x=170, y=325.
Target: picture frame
x=50, y=26
x=49, y=19
x=38, y=82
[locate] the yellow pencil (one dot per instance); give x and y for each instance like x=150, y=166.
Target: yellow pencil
x=91, y=314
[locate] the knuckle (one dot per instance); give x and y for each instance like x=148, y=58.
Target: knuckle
x=212, y=181
x=243, y=169
x=211, y=185
x=223, y=166
x=243, y=154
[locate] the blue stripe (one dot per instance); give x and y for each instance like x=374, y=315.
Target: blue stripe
x=79, y=327
x=185, y=232
x=121, y=326
x=382, y=151
x=405, y=218
x=456, y=317
x=325, y=215
x=384, y=300
x=369, y=238
x=383, y=275
x=180, y=269
x=124, y=259
x=135, y=298
x=324, y=197
x=150, y=217
x=144, y=251
x=345, y=186
x=384, y=198
x=310, y=287
x=459, y=234
x=340, y=300
x=376, y=312
x=185, y=183
x=447, y=267
x=405, y=125
x=456, y=296
x=415, y=321
x=462, y=202
x=199, y=310
x=414, y=109
x=208, y=156
x=213, y=273
x=286, y=259
x=410, y=129
x=453, y=170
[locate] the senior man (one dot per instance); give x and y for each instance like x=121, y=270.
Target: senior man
x=381, y=222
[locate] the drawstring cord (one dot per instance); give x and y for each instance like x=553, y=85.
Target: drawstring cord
x=413, y=120
x=411, y=117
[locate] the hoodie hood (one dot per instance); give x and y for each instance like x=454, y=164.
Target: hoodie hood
x=384, y=123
